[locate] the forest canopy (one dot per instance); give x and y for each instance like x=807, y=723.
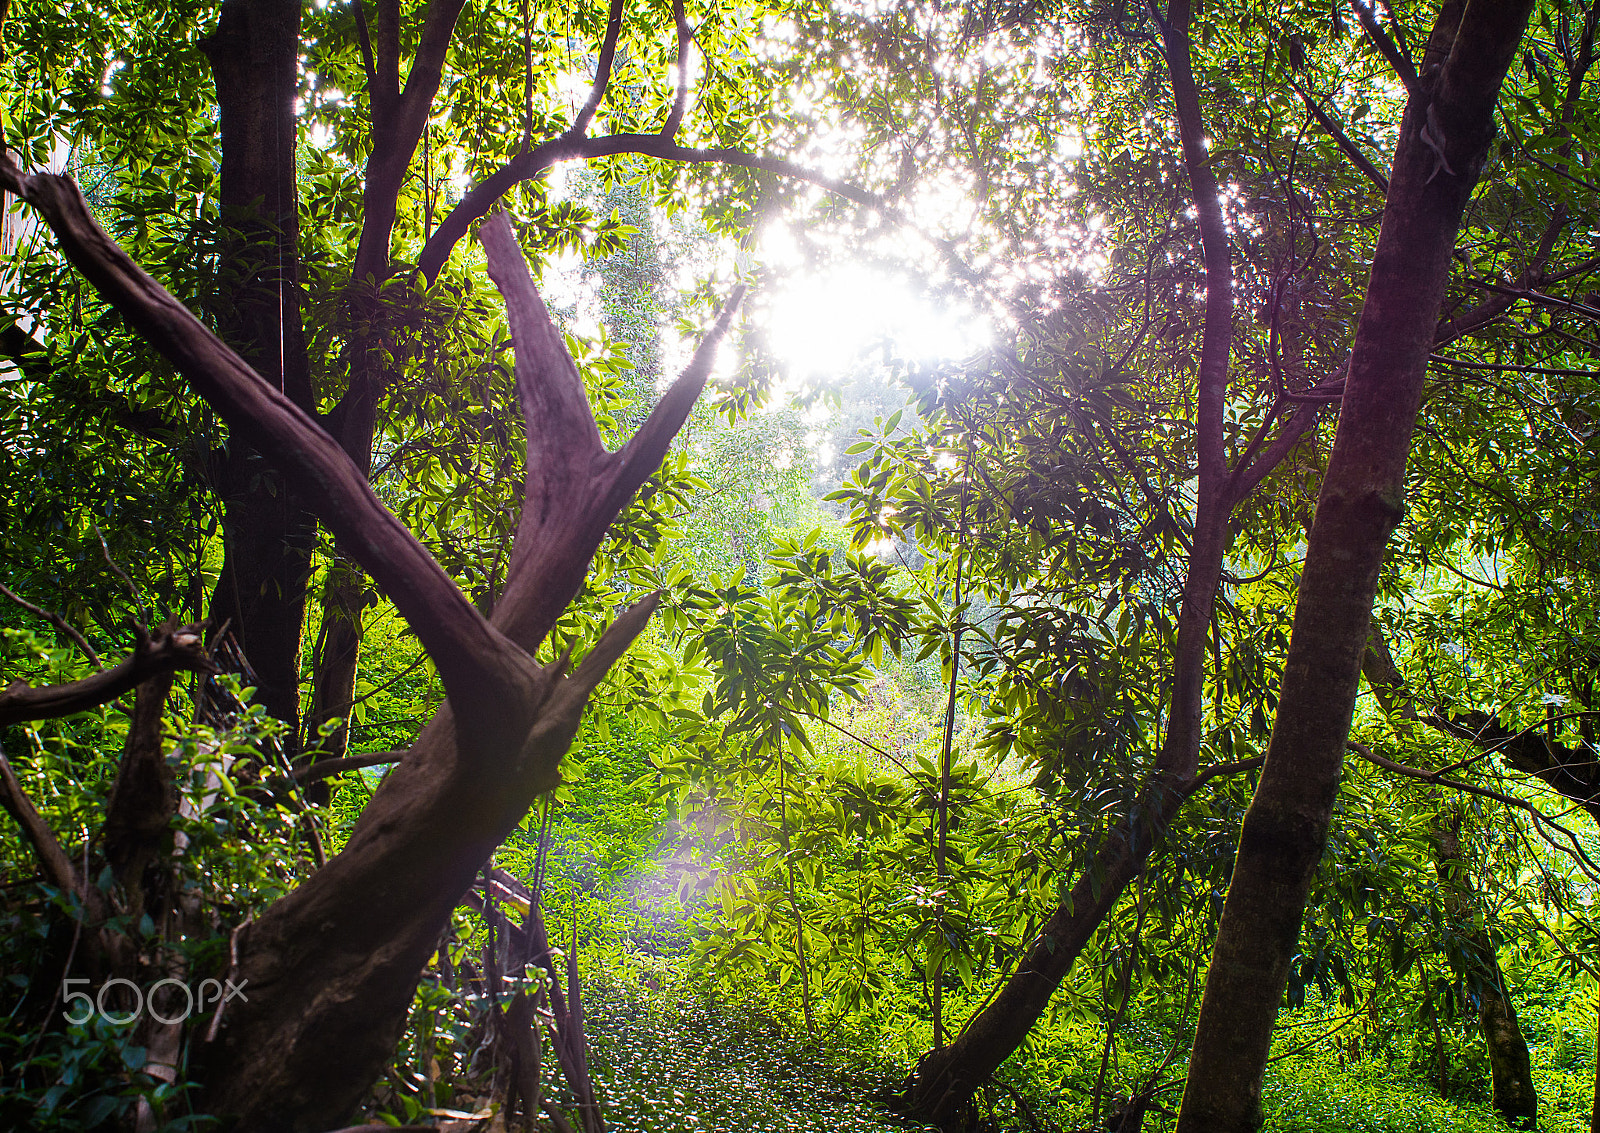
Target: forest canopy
x=775, y=565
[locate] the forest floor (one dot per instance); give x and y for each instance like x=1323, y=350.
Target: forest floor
x=670, y=1062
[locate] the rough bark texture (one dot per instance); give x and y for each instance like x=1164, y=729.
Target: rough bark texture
x=1510, y=1069
x=269, y=534
x=1444, y=136
x=137, y=832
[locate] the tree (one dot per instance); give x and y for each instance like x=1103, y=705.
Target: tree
x=1444, y=137
x=1264, y=89
x=333, y=965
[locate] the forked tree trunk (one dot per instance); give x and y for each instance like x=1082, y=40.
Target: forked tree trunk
x=1444, y=136
x=331, y=968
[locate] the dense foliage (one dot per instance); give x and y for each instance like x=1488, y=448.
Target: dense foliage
x=921, y=650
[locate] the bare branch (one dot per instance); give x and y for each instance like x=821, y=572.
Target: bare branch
x=1506, y=368
x=397, y=126
x=1397, y=60
x=143, y=798
x=167, y=650
x=602, y=75
x=59, y=622
x=364, y=38
x=1217, y=335
x=472, y=658
x=680, y=101
x=483, y=197
x=555, y=406
x=387, y=58
x=538, y=763
x=1351, y=150
x=1251, y=472
x=1220, y=770
x=583, y=492
x=1569, y=845
x=328, y=768
x=643, y=454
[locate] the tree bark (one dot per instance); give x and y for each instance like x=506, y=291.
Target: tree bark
x=1513, y=1091
x=268, y=533
x=1511, y=1071
x=1444, y=137
x=137, y=832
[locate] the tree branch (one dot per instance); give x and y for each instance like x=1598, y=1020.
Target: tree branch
x=564, y=444
x=643, y=454
x=1219, y=770
x=602, y=75
x=1245, y=478
x=397, y=128
x=574, y=488
x=473, y=660
x=1574, y=849
x=680, y=101
x=1351, y=150
x=328, y=768
x=483, y=197
x=387, y=58
x=1397, y=60
x=58, y=868
x=59, y=622
x=1217, y=334
x=364, y=39
x=167, y=650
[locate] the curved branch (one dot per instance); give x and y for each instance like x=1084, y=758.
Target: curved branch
x=53, y=859
x=1573, y=848
x=474, y=661
x=483, y=197
x=168, y=650
x=59, y=622
x=602, y=75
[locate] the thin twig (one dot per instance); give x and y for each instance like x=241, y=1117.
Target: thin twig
x=1573, y=847
x=59, y=622
x=133, y=591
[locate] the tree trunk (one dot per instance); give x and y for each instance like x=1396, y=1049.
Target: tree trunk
x=1514, y=1094
x=942, y=1087
x=1444, y=137
x=333, y=679
x=1510, y=1068
x=268, y=534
